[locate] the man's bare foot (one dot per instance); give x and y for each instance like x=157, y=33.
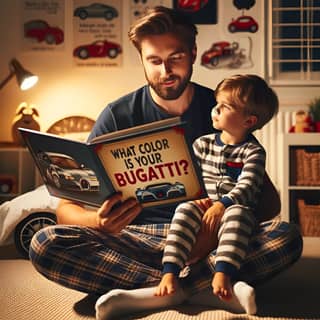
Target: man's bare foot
x=168, y=285
x=221, y=285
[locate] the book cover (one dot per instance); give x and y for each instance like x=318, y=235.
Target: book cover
x=152, y=163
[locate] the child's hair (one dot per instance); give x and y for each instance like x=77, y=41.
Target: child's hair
x=161, y=20
x=253, y=94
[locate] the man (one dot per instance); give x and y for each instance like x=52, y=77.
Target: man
x=119, y=245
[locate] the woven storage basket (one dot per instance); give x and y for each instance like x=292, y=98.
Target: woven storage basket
x=309, y=218
x=307, y=168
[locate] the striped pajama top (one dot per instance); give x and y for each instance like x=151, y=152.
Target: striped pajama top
x=233, y=174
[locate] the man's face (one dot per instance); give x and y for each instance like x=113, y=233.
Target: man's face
x=167, y=64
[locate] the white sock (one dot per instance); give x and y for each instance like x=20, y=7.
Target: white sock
x=243, y=300
x=246, y=296
x=119, y=302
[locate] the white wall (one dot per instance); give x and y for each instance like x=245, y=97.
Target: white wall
x=65, y=89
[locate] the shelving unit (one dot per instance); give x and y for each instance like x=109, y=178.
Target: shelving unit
x=17, y=172
x=300, y=182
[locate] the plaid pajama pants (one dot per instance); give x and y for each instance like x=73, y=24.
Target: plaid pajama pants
x=90, y=261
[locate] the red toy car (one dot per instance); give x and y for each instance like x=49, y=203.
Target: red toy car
x=98, y=49
x=217, y=51
x=192, y=5
x=42, y=31
x=243, y=23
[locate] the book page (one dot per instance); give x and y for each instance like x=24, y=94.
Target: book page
x=155, y=168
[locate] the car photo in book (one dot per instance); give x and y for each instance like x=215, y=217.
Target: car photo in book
x=153, y=163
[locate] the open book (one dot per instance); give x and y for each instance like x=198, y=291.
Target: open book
x=152, y=163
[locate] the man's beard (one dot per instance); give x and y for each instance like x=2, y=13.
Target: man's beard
x=170, y=93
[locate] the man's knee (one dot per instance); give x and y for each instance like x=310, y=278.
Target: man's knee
x=40, y=246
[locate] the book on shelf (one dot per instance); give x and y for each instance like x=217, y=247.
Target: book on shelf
x=153, y=163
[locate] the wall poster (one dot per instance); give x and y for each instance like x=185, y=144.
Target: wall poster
x=97, y=33
x=199, y=11
x=237, y=42
x=43, y=25
x=139, y=7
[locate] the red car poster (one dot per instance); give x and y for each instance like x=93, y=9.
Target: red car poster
x=43, y=25
x=199, y=11
x=97, y=39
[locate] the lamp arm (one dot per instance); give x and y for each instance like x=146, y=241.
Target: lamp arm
x=4, y=82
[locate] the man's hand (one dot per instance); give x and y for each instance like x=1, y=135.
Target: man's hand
x=114, y=215
x=207, y=237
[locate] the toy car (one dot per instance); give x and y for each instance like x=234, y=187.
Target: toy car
x=155, y=192
x=63, y=171
x=26, y=229
x=42, y=31
x=243, y=23
x=96, y=10
x=98, y=49
x=24, y=215
x=218, y=51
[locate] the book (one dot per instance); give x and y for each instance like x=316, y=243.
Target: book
x=153, y=163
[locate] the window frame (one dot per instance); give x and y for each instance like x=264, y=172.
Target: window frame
x=288, y=78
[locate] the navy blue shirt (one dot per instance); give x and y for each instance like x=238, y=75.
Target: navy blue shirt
x=138, y=108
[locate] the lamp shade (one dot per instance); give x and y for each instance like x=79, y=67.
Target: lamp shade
x=25, y=78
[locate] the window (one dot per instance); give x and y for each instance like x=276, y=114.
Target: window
x=294, y=41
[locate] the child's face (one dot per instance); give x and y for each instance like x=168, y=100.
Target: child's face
x=228, y=117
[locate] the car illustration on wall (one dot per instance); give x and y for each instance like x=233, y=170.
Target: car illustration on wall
x=42, y=31
x=98, y=49
x=218, y=51
x=191, y=5
x=62, y=171
x=96, y=10
x=160, y=191
x=243, y=24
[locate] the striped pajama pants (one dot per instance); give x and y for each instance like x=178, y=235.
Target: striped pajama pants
x=91, y=261
x=235, y=230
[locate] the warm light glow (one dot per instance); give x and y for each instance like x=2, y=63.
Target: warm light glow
x=29, y=82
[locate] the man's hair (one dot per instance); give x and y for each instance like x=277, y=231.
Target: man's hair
x=161, y=20
x=253, y=95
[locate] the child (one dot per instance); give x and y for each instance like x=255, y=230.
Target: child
x=233, y=167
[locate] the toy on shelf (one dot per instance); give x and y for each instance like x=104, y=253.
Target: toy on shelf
x=303, y=122
x=26, y=117
x=8, y=184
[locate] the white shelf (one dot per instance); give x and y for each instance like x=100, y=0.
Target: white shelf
x=304, y=187
x=289, y=190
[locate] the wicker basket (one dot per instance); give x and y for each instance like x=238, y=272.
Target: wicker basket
x=309, y=218
x=307, y=168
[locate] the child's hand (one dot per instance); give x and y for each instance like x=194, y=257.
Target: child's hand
x=207, y=237
x=211, y=219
